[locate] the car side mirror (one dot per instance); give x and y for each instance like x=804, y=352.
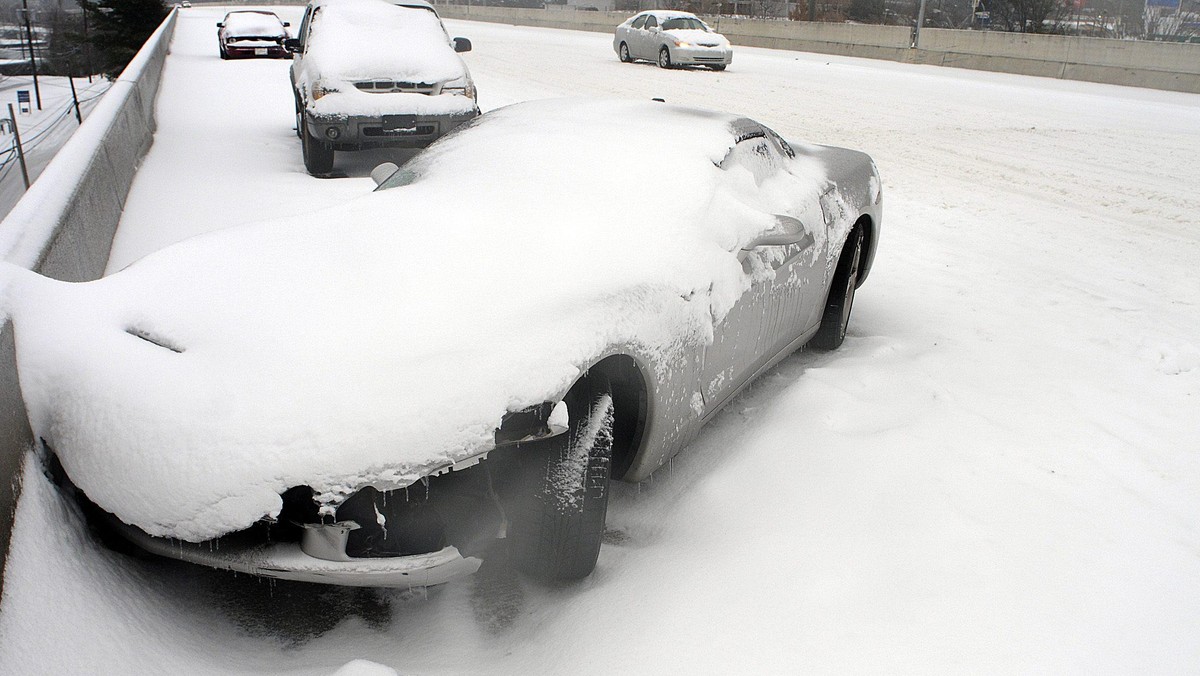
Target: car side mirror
x=382, y=172
x=292, y=45
x=787, y=231
x=287, y=24
x=462, y=45
x=220, y=24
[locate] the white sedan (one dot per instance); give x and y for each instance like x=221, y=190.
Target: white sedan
x=672, y=39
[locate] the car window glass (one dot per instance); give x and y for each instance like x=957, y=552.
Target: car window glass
x=754, y=149
x=399, y=178
x=638, y=22
x=683, y=23
x=651, y=22
x=303, y=32
x=784, y=147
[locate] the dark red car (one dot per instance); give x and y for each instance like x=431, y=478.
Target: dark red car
x=251, y=33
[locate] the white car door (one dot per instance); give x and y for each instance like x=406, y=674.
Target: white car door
x=648, y=46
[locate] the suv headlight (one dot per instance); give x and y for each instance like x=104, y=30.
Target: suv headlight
x=321, y=88
x=461, y=86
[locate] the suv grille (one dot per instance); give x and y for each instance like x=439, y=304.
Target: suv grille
x=388, y=86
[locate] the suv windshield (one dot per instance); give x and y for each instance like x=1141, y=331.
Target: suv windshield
x=684, y=23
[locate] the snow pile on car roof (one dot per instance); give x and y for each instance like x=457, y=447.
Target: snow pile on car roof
x=366, y=39
x=376, y=341
x=254, y=24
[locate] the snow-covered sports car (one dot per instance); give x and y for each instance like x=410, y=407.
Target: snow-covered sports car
x=559, y=293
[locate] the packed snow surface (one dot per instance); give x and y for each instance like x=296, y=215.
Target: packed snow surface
x=998, y=472
x=186, y=392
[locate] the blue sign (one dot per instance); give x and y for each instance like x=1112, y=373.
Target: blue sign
x=1163, y=3
x=22, y=96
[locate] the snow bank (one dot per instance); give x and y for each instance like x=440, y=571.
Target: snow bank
x=376, y=341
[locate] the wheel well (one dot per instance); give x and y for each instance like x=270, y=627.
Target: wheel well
x=868, y=231
x=630, y=401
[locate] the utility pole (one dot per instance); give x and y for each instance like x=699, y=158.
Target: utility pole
x=20, y=151
x=916, y=43
x=87, y=45
x=75, y=98
x=37, y=91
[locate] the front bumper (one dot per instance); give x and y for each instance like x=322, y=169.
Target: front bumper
x=352, y=132
x=286, y=561
x=248, y=50
x=702, y=56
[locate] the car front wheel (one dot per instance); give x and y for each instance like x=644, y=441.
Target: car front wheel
x=624, y=52
x=318, y=156
x=841, y=294
x=556, y=517
x=664, y=58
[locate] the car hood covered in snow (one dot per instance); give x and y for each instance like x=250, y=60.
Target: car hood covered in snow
x=698, y=37
x=380, y=340
x=369, y=39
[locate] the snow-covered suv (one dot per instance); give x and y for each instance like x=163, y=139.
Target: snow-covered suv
x=374, y=73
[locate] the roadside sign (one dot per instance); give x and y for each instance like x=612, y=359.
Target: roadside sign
x=23, y=100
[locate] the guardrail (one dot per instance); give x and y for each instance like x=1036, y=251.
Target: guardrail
x=1156, y=65
x=64, y=226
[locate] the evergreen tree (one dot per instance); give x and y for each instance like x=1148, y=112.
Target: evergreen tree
x=118, y=29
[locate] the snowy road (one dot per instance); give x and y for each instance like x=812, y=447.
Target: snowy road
x=998, y=472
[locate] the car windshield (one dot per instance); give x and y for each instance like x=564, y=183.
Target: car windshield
x=684, y=23
x=254, y=23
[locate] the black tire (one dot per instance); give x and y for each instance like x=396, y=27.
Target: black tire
x=623, y=53
x=299, y=120
x=318, y=156
x=223, y=54
x=841, y=294
x=664, y=57
x=556, y=517
x=718, y=67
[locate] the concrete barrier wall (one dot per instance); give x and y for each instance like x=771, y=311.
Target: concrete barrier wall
x=1157, y=65
x=64, y=225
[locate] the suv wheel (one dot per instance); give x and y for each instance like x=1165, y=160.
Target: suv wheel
x=318, y=155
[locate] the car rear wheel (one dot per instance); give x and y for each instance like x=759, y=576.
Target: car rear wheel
x=841, y=294
x=664, y=58
x=557, y=513
x=624, y=52
x=318, y=156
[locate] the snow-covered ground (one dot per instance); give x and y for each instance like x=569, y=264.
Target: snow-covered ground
x=998, y=472
x=42, y=131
